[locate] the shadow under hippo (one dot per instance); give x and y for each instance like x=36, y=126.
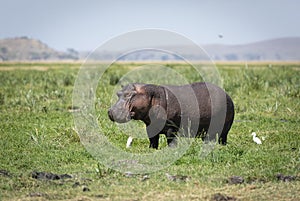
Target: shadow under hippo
x=198, y=109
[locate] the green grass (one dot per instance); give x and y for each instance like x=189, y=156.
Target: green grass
x=37, y=133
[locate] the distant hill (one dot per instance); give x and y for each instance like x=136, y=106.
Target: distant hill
x=24, y=48
x=281, y=49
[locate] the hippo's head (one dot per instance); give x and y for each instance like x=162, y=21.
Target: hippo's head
x=133, y=103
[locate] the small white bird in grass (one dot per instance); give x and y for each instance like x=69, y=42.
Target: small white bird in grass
x=255, y=139
x=129, y=142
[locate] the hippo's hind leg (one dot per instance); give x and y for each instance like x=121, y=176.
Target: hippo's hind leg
x=223, y=136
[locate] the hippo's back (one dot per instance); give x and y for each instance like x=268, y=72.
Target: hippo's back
x=200, y=102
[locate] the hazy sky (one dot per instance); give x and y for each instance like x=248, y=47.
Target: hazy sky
x=84, y=25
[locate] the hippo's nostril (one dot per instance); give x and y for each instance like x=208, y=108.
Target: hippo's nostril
x=110, y=115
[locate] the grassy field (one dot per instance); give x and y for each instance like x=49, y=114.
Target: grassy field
x=37, y=134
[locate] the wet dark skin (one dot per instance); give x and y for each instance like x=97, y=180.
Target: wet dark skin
x=199, y=107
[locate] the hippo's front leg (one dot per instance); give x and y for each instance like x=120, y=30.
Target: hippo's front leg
x=154, y=142
x=153, y=137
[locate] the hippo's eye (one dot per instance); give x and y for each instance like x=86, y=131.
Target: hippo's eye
x=127, y=95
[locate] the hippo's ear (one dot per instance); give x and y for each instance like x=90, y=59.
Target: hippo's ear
x=139, y=88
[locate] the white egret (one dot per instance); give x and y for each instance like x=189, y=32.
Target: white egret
x=255, y=139
x=129, y=142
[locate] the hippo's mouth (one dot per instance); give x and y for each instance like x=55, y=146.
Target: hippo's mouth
x=120, y=117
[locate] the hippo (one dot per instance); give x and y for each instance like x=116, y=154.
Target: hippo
x=198, y=109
